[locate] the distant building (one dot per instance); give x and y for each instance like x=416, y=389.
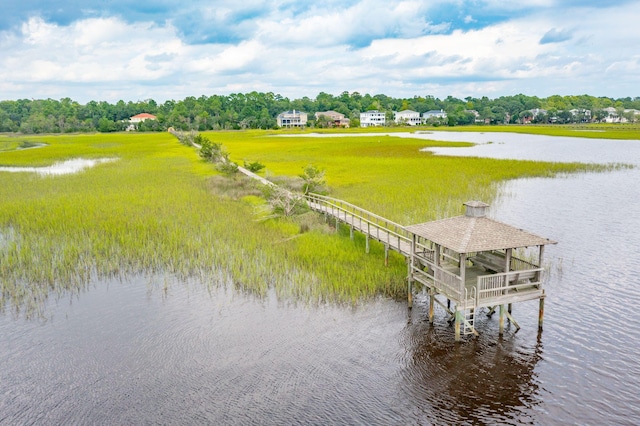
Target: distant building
x=372, y=118
x=584, y=115
x=434, y=113
x=631, y=114
x=292, y=119
x=407, y=116
x=611, y=115
x=139, y=118
x=476, y=115
x=337, y=119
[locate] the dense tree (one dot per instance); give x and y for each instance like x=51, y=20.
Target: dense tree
x=259, y=110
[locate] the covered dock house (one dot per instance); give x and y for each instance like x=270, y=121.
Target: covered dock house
x=476, y=262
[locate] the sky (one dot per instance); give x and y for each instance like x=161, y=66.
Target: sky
x=112, y=50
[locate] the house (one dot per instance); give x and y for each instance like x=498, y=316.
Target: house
x=292, y=119
x=631, y=115
x=434, y=113
x=536, y=114
x=611, y=115
x=407, y=116
x=336, y=119
x=372, y=118
x=139, y=118
x=581, y=114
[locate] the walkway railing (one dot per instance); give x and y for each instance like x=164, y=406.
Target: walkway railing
x=392, y=234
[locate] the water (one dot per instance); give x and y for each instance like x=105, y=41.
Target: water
x=132, y=352
x=59, y=168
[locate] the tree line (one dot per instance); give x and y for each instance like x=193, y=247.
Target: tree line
x=259, y=111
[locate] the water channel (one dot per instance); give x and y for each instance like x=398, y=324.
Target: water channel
x=151, y=350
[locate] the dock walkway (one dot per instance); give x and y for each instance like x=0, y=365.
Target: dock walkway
x=394, y=236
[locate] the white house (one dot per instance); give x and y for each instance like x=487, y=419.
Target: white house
x=632, y=114
x=372, y=118
x=139, y=118
x=292, y=119
x=434, y=113
x=407, y=116
x=583, y=114
x=612, y=115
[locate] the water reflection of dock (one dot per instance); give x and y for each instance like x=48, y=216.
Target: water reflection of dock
x=471, y=261
x=481, y=382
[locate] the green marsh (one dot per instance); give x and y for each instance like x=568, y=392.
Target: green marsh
x=160, y=209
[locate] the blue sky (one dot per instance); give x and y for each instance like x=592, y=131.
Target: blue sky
x=117, y=49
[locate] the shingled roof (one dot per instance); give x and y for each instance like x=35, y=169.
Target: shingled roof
x=467, y=234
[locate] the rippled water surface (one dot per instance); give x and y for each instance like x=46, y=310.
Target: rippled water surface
x=156, y=351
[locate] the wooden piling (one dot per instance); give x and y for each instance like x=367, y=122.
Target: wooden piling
x=409, y=285
x=432, y=297
x=457, y=324
x=501, y=320
x=541, y=314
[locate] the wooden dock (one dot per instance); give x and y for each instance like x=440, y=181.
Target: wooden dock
x=469, y=260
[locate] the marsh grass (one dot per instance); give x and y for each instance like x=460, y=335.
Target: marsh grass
x=391, y=176
x=160, y=209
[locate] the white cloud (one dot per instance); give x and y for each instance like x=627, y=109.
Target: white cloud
x=301, y=54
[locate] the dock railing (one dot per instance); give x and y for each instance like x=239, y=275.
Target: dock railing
x=392, y=234
x=495, y=286
x=446, y=282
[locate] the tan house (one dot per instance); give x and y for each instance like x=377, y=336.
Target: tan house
x=292, y=119
x=336, y=119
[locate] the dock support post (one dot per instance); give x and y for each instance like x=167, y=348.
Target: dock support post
x=367, y=239
x=457, y=324
x=432, y=296
x=386, y=255
x=366, y=244
x=541, y=314
x=409, y=285
x=509, y=308
x=410, y=263
x=351, y=233
x=501, y=321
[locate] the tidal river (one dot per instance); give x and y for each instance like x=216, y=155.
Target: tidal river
x=148, y=351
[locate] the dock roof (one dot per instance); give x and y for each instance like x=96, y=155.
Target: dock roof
x=464, y=234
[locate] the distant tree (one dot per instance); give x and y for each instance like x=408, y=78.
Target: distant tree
x=313, y=180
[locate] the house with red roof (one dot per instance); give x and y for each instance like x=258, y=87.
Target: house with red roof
x=138, y=118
